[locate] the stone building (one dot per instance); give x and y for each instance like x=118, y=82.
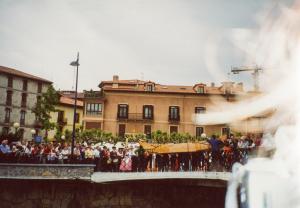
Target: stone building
x=65, y=115
x=18, y=95
x=136, y=106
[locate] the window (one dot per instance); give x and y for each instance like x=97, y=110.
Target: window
x=150, y=87
x=38, y=98
x=173, y=129
x=22, y=117
x=122, y=111
x=92, y=125
x=9, y=98
x=174, y=113
x=199, y=131
x=147, y=131
x=24, y=100
x=225, y=131
x=40, y=86
x=7, y=115
x=147, y=112
x=200, y=90
x=77, y=118
x=60, y=116
x=93, y=108
x=25, y=85
x=5, y=130
x=199, y=110
x=122, y=130
x=21, y=133
x=10, y=82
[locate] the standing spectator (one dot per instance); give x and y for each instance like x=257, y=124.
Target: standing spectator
x=65, y=154
x=114, y=159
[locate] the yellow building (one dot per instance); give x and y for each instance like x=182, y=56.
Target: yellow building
x=136, y=106
x=64, y=116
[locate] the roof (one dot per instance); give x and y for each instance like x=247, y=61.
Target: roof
x=71, y=94
x=139, y=86
x=18, y=73
x=68, y=101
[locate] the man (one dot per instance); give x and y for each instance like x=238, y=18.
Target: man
x=114, y=159
x=4, y=148
x=215, y=149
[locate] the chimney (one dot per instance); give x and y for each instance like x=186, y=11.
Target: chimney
x=239, y=86
x=212, y=84
x=115, y=83
x=227, y=87
x=115, y=78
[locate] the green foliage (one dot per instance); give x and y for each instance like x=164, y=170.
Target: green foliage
x=96, y=136
x=135, y=137
x=44, y=106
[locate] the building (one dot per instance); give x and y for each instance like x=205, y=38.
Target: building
x=135, y=106
x=65, y=115
x=18, y=95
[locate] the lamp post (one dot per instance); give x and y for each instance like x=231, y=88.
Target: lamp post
x=33, y=132
x=74, y=63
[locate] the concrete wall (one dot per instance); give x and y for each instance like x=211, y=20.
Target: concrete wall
x=146, y=194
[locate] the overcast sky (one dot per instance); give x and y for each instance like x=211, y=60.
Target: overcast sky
x=167, y=41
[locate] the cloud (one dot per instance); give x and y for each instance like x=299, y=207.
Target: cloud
x=165, y=40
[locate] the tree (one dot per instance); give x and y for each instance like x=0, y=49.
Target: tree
x=44, y=106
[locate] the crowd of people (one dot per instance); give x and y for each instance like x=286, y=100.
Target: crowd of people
x=131, y=157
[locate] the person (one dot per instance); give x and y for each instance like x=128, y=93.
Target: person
x=65, y=154
x=77, y=153
x=4, y=148
x=126, y=163
x=114, y=159
x=97, y=151
x=104, y=158
x=89, y=155
x=215, y=149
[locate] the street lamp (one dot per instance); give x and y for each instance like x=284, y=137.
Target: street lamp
x=74, y=63
x=63, y=137
x=16, y=125
x=33, y=132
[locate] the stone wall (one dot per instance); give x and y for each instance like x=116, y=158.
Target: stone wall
x=79, y=194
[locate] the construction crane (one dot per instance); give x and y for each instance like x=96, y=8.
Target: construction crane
x=255, y=72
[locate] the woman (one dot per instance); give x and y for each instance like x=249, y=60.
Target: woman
x=126, y=163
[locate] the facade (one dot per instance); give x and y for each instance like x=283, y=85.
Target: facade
x=135, y=106
x=65, y=115
x=18, y=95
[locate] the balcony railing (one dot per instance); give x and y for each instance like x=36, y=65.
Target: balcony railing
x=134, y=117
x=174, y=119
x=94, y=113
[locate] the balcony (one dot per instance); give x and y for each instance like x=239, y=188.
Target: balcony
x=134, y=117
x=94, y=113
x=173, y=119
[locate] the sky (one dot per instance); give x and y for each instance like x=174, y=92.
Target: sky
x=179, y=42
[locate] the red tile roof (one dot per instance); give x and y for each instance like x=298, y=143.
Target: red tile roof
x=71, y=94
x=68, y=101
x=18, y=73
x=139, y=86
